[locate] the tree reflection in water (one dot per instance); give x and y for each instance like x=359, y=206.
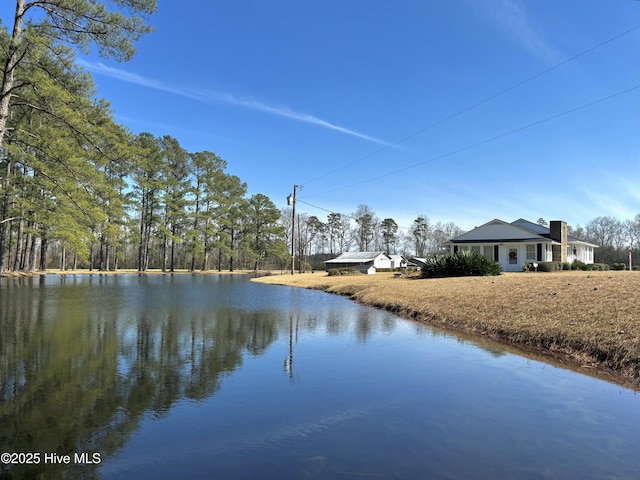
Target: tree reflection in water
x=78, y=374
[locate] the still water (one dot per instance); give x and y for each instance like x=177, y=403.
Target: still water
x=216, y=377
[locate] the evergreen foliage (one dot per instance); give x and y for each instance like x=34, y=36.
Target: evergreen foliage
x=332, y=272
x=462, y=263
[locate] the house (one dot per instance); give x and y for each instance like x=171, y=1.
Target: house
x=398, y=261
x=364, y=261
x=418, y=262
x=514, y=244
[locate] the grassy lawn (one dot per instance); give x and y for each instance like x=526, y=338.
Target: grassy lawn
x=591, y=319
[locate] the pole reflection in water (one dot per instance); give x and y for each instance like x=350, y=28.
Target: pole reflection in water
x=288, y=362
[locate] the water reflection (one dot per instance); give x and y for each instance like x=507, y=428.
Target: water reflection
x=85, y=358
x=81, y=366
x=215, y=377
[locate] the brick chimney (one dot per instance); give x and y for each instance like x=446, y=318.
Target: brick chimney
x=558, y=232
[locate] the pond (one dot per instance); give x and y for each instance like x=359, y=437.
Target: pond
x=196, y=376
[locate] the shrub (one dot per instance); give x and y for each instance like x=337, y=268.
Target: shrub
x=549, y=266
x=462, y=263
x=578, y=265
x=619, y=266
x=565, y=266
x=343, y=271
x=598, y=266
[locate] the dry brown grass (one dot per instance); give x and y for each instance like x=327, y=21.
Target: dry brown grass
x=591, y=319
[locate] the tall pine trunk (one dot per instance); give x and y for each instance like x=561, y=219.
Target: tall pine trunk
x=11, y=62
x=27, y=245
x=174, y=230
x=19, y=246
x=34, y=247
x=5, y=221
x=231, y=254
x=43, y=254
x=164, y=253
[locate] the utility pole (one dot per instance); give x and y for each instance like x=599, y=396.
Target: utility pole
x=291, y=200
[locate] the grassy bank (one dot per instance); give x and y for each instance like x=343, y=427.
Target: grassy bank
x=590, y=319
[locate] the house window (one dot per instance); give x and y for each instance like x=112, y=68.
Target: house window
x=531, y=253
x=475, y=249
x=487, y=252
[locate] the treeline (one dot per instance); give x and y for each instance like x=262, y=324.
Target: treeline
x=363, y=230
x=140, y=202
x=614, y=238
x=79, y=190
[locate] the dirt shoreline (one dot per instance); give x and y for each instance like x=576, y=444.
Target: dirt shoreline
x=586, y=321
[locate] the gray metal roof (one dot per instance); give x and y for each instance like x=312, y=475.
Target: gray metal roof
x=534, y=227
x=355, y=257
x=545, y=231
x=521, y=230
x=498, y=231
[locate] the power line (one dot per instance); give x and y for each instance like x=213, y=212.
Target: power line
x=353, y=217
x=482, y=142
x=475, y=105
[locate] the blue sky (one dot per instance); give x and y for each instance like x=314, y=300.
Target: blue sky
x=348, y=98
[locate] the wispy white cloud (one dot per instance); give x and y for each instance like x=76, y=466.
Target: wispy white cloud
x=617, y=195
x=220, y=97
x=516, y=19
x=512, y=17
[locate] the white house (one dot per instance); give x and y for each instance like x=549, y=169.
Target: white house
x=363, y=261
x=398, y=261
x=418, y=262
x=514, y=244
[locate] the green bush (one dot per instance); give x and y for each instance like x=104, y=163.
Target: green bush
x=545, y=267
x=549, y=266
x=598, y=267
x=578, y=265
x=343, y=271
x=462, y=263
x=619, y=266
x=564, y=266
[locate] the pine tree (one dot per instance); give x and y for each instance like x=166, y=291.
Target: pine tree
x=175, y=176
x=147, y=170
x=265, y=236
x=78, y=23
